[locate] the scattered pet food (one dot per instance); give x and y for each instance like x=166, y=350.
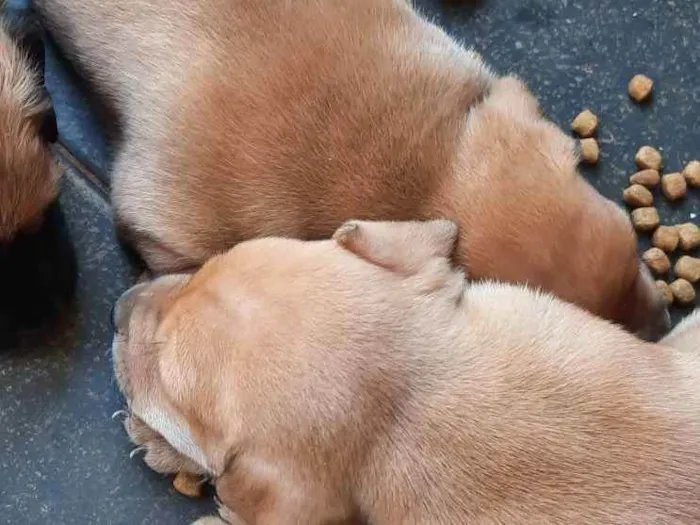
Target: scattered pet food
x=688, y=268
x=674, y=186
x=647, y=178
x=189, y=485
x=688, y=236
x=683, y=292
x=645, y=219
x=665, y=291
x=640, y=87
x=585, y=123
x=692, y=173
x=590, y=151
x=657, y=261
x=637, y=196
x=648, y=158
x=665, y=238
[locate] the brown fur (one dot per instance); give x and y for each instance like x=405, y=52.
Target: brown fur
x=364, y=379
x=249, y=118
x=28, y=173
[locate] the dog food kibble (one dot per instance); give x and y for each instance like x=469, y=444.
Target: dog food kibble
x=692, y=173
x=665, y=291
x=688, y=236
x=648, y=158
x=188, y=485
x=637, y=196
x=640, y=87
x=665, y=238
x=683, y=292
x=648, y=178
x=590, y=151
x=645, y=219
x=688, y=268
x=674, y=186
x=585, y=123
x=657, y=261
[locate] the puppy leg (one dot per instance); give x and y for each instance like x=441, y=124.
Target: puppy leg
x=685, y=336
x=142, y=220
x=256, y=490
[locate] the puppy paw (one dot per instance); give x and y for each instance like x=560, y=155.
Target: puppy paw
x=159, y=455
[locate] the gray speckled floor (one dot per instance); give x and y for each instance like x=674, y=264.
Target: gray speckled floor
x=65, y=462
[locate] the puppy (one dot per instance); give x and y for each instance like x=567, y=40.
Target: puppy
x=362, y=379
x=248, y=118
x=36, y=258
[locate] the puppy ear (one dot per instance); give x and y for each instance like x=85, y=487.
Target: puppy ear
x=403, y=247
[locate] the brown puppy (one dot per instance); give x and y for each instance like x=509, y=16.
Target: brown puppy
x=249, y=118
x=363, y=378
x=29, y=180
x=36, y=261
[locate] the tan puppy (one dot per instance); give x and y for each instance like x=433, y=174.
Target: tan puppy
x=363, y=379
x=249, y=118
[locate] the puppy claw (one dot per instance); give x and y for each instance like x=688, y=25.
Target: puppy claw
x=119, y=413
x=136, y=451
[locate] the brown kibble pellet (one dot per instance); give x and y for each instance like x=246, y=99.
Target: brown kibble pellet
x=665, y=238
x=648, y=158
x=648, y=178
x=645, y=219
x=665, y=291
x=657, y=261
x=688, y=236
x=674, y=186
x=682, y=291
x=640, y=87
x=688, y=268
x=692, y=173
x=585, y=123
x=188, y=485
x=590, y=151
x=637, y=196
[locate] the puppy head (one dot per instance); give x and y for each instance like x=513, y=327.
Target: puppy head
x=541, y=223
x=192, y=353
x=36, y=257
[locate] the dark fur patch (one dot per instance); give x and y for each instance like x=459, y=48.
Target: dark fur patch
x=37, y=276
